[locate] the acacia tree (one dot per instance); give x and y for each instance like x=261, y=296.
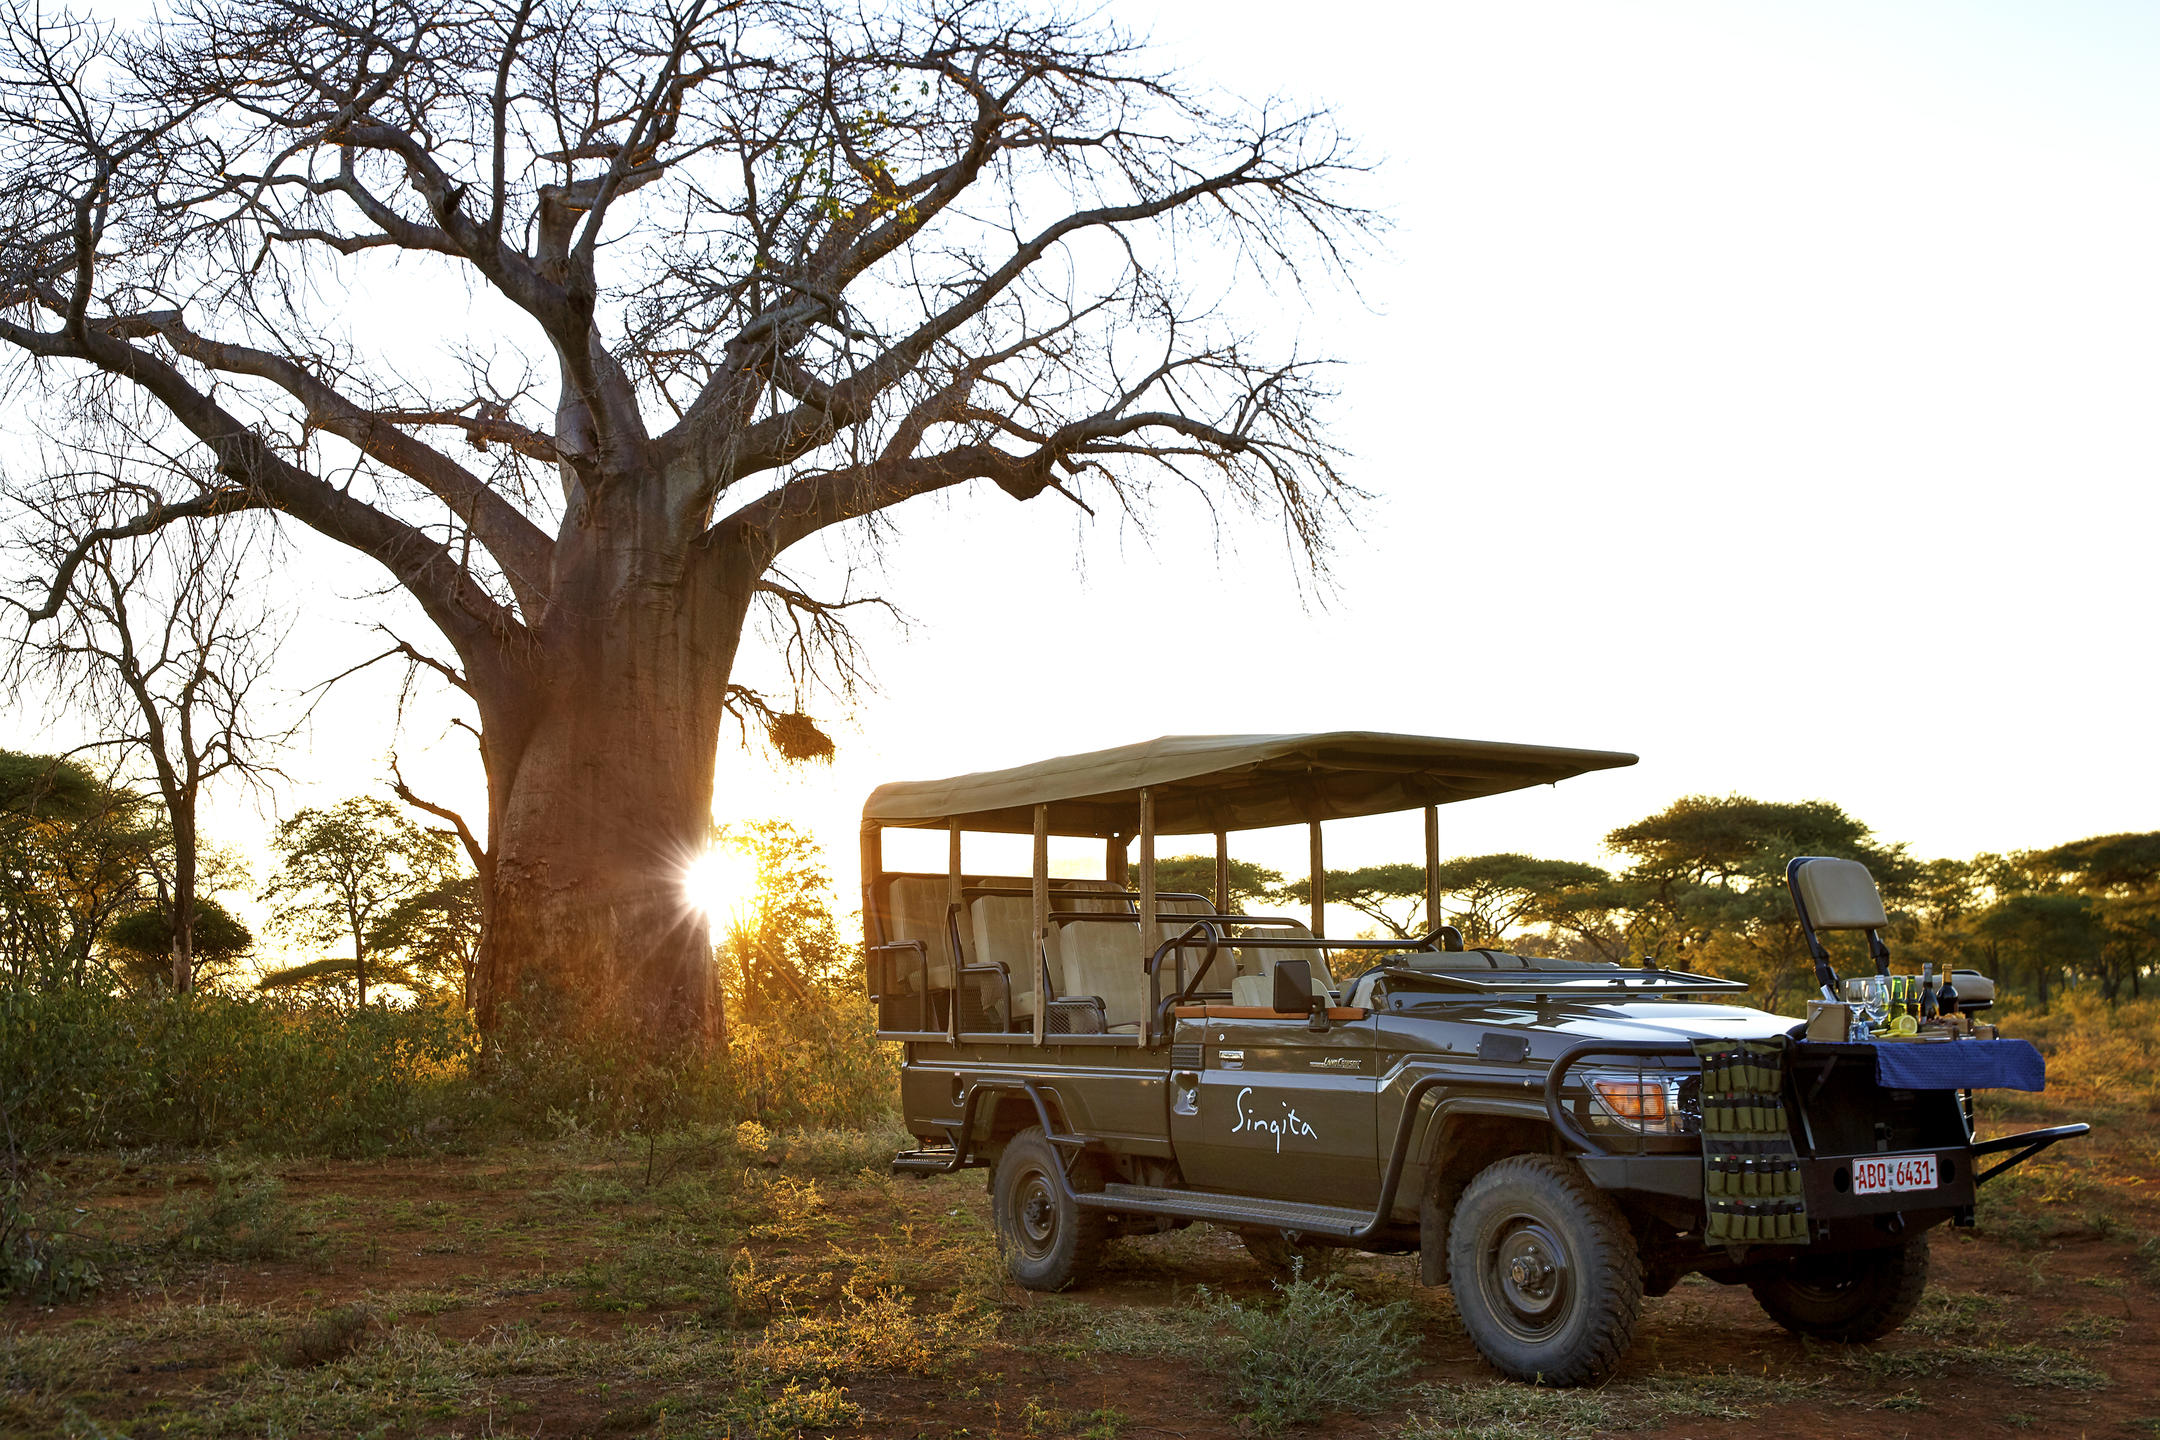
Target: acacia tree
x=346, y=870
x=1487, y=897
x=139, y=946
x=793, y=263
x=1708, y=880
x=1250, y=884
x=75, y=852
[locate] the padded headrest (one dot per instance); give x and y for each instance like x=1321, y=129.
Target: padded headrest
x=1839, y=895
x=1253, y=990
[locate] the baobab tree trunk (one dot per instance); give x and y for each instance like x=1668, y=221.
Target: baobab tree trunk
x=601, y=793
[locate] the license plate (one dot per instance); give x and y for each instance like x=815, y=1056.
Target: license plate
x=1889, y=1174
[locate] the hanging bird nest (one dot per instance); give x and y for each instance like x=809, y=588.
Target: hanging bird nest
x=797, y=738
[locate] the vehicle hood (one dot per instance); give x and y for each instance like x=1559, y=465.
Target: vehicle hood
x=1621, y=1020
x=1668, y=1020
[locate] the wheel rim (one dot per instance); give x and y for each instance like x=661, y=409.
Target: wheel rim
x=1035, y=1215
x=1527, y=1277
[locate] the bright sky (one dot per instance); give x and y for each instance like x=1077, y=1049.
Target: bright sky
x=1764, y=390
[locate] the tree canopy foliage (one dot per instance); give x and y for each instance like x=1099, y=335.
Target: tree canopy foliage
x=1701, y=885
x=363, y=874
x=76, y=852
x=140, y=944
x=1250, y=884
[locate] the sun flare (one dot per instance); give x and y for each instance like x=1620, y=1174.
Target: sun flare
x=722, y=883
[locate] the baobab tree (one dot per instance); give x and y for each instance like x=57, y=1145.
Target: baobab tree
x=791, y=264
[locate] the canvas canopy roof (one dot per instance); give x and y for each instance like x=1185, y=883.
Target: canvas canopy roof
x=1203, y=783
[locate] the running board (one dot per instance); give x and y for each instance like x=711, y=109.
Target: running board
x=1321, y=1221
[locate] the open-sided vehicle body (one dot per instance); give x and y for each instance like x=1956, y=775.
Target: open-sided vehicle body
x=1127, y=1060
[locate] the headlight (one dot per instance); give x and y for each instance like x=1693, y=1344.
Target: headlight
x=1645, y=1103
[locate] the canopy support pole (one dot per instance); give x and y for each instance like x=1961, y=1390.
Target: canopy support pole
x=953, y=884
x=1432, y=868
x=1113, y=862
x=1222, y=872
x=873, y=870
x=1318, y=887
x=1149, y=935
x=1040, y=959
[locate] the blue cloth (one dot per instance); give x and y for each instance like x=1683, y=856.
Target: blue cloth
x=1960, y=1065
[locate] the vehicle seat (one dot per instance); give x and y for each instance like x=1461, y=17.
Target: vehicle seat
x=917, y=909
x=1257, y=960
x=1253, y=990
x=1004, y=928
x=1105, y=961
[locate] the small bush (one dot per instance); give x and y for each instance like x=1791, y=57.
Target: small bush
x=40, y=1260
x=877, y=1331
x=244, y=1217
x=326, y=1336
x=1318, y=1349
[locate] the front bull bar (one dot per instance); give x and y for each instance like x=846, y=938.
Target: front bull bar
x=2026, y=1144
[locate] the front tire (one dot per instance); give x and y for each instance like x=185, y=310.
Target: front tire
x=1859, y=1296
x=1049, y=1241
x=1544, y=1271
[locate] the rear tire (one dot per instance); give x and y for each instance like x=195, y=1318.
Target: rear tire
x=1544, y=1271
x=1854, y=1297
x=1049, y=1241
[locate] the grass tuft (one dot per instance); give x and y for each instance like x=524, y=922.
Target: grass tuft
x=2027, y=1365
x=1502, y=1410
x=325, y=1336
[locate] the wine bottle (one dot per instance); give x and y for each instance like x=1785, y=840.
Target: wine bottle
x=1927, y=991
x=1946, y=997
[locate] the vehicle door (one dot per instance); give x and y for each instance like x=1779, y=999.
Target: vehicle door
x=1261, y=1104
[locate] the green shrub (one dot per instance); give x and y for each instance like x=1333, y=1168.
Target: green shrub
x=244, y=1217
x=41, y=1259
x=81, y=1070
x=325, y=1336
x=1318, y=1349
x=819, y=1066
x=292, y=1076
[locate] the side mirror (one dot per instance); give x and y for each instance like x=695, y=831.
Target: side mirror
x=1294, y=992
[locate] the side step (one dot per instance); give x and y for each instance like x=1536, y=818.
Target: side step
x=941, y=1161
x=1331, y=1221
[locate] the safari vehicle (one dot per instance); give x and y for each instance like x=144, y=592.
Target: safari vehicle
x=1126, y=1060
